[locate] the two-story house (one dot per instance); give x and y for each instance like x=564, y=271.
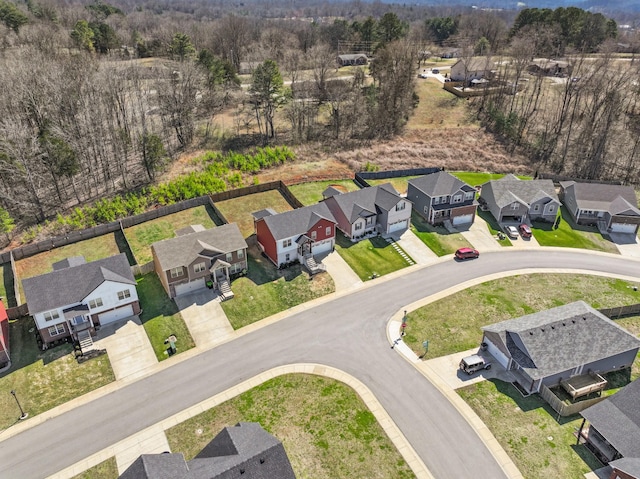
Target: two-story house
x=441, y=197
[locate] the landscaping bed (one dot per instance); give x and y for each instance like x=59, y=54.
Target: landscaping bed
x=437, y=238
x=311, y=193
x=326, y=430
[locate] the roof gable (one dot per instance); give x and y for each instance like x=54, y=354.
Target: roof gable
x=369, y=200
x=509, y=188
x=440, y=183
x=616, y=199
x=298, y=221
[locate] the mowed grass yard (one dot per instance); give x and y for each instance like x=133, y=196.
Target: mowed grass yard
x=238, y=210
x=160, y=317
x=438, y=108
x=326, y=430
x=453, y=324
x=369, y=256
x=437, y=238
x=400, y=183
x=142, y=236
x=6, y=285
x=105, y=470
x=45, y=379
x=266, y=290
x=311, y=193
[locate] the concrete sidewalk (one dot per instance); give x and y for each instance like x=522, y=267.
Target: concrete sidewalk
x=205, y=318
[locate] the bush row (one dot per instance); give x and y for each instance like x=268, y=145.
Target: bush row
x=262, y=158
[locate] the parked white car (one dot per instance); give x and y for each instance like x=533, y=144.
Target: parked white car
x=512, y=231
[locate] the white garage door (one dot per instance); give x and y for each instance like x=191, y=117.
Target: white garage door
x=623, y=228
x=190, y=286
x=462, y=219
x=115, y=315
x=400, y=225
x=321, y=247
x=496, y=353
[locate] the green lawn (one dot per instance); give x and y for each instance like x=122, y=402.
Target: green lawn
x=142, y=236
x=437, y=238
x=326, y=430
x=45, y=379
x=160, y=317
x=475, y=179
x=453, y=324
x=6, y=285
x=369, y=256
x=494, y=229
x=570, y=235
x=266, y=290
x=238, y=210
x=105, y=470
x=311, y=193
x=400, y=183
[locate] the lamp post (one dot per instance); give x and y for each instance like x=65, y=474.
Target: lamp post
x=23, y=415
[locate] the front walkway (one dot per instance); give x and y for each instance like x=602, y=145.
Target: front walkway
x=128, y=348
x=414, y=247
x=204, y=317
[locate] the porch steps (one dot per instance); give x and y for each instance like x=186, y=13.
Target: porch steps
x=86, y=341
x=225, y=290
x=400, y=251
x=312, y=265
x=449, y=227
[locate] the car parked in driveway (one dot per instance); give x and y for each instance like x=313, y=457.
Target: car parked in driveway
x=435, y=71
x=467, y=253
x=525, y=231
x=473, y=363
x=511, y=231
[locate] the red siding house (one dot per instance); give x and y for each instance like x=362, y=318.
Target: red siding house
x=5, y=360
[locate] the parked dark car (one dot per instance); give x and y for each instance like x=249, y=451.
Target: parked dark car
x=467, y=253
x=525, y=231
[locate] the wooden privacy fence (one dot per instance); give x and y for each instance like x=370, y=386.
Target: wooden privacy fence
x=362, y=176
x=140, y=269
x=622, y=311
x=566, y=409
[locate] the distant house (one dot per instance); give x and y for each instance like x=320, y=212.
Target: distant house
x=356, y=59
x=548, y=67
x=474, y=68
x=297, y=235
x=558, y=344
x=614, y=208
x=449, y=53
x=376, y=209
x=244, y=451
x=77, y=297
x=5, y=359
x=513, y=199
x=440, y=197
x=185, y=263
x=613, y=434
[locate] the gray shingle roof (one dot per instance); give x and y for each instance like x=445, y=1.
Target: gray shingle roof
x=617, y=418
x=616, y=199
x=71, y=285
x=367, y=201
x=509, y=188
x=440, y=183
x=559, y=339
x=298, y=221
x=69, y=262
x=628, y=465
x=183, y=250
x=257, y=215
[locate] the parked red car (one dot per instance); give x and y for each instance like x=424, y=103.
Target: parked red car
x=525, y=231
x=467, y=253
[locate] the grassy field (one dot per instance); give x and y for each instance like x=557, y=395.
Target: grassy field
x=45, y=379
x=438, y=108
x=325, y=428
x=142, y=236
x=400, y=183
x=266, y=290
x=105, y=470
x=453, y=324
x=238, y=210
x=311, y=193
x=437, y=238
x=160, y=317
x=369, y=256
x=570, y=235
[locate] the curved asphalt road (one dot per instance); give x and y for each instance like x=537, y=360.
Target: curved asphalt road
x=347, y=333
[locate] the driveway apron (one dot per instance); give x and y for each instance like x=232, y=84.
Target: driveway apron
x=480, y=237
x=203, y=315
x=414, y=247
x=344, y=277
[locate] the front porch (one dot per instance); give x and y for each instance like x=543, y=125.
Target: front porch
x=306, y=256
x=220, y=279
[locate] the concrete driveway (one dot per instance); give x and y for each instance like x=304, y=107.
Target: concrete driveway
x=415, y=248
x=480, y=237
x=128, y=348
x=627, y=244
x=344, y=277
x=203, y=315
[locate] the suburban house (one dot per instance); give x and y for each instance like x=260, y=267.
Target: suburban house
x=550, y=346
x=77, y=297
x=613, y=208
x=5, y=359
x=549, y=67
x=372, y=210
x=522, y=201
x=197, y=256
x=297, y=235
x=440, y=197
x=245, y=450
x=474, y=68
x=352, y=59
x=613, y=434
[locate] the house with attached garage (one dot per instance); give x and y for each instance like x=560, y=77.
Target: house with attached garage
x=511, y=199
x=369, y=211
x=440, y=197
x=557, y=344
x=197, y=256
x=474, y=68
x=77, y=297
x=613, y=208
x=298, y=235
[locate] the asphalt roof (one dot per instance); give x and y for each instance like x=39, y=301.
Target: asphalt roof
x=509, y=188
x=617, y=418
x=559, y=339
x=367, y=200
x=296, y=222
x=440, y=183
x=616, y=199
x=183, y=250
x=71, y=285
x=629, y=465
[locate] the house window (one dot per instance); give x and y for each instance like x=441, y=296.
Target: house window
x=236, y=268
x=124, y=294
x=358, y=226
x=51, y=315
x=95, y=303
x=286, y=243
x=327, y=231
x=370, y=220
x=400, y=206
x=240, y=253
x=444, y=199
x=229, y=257
x=287, y=257
x=175, y=272
x=551, y=209
x=197, y=268
x=515, y=206
x=468, y=195
x=57, y=330
x=426, y=209
x=536, y=207
x=314, y=235
x=436, y=200
x=457, y=199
